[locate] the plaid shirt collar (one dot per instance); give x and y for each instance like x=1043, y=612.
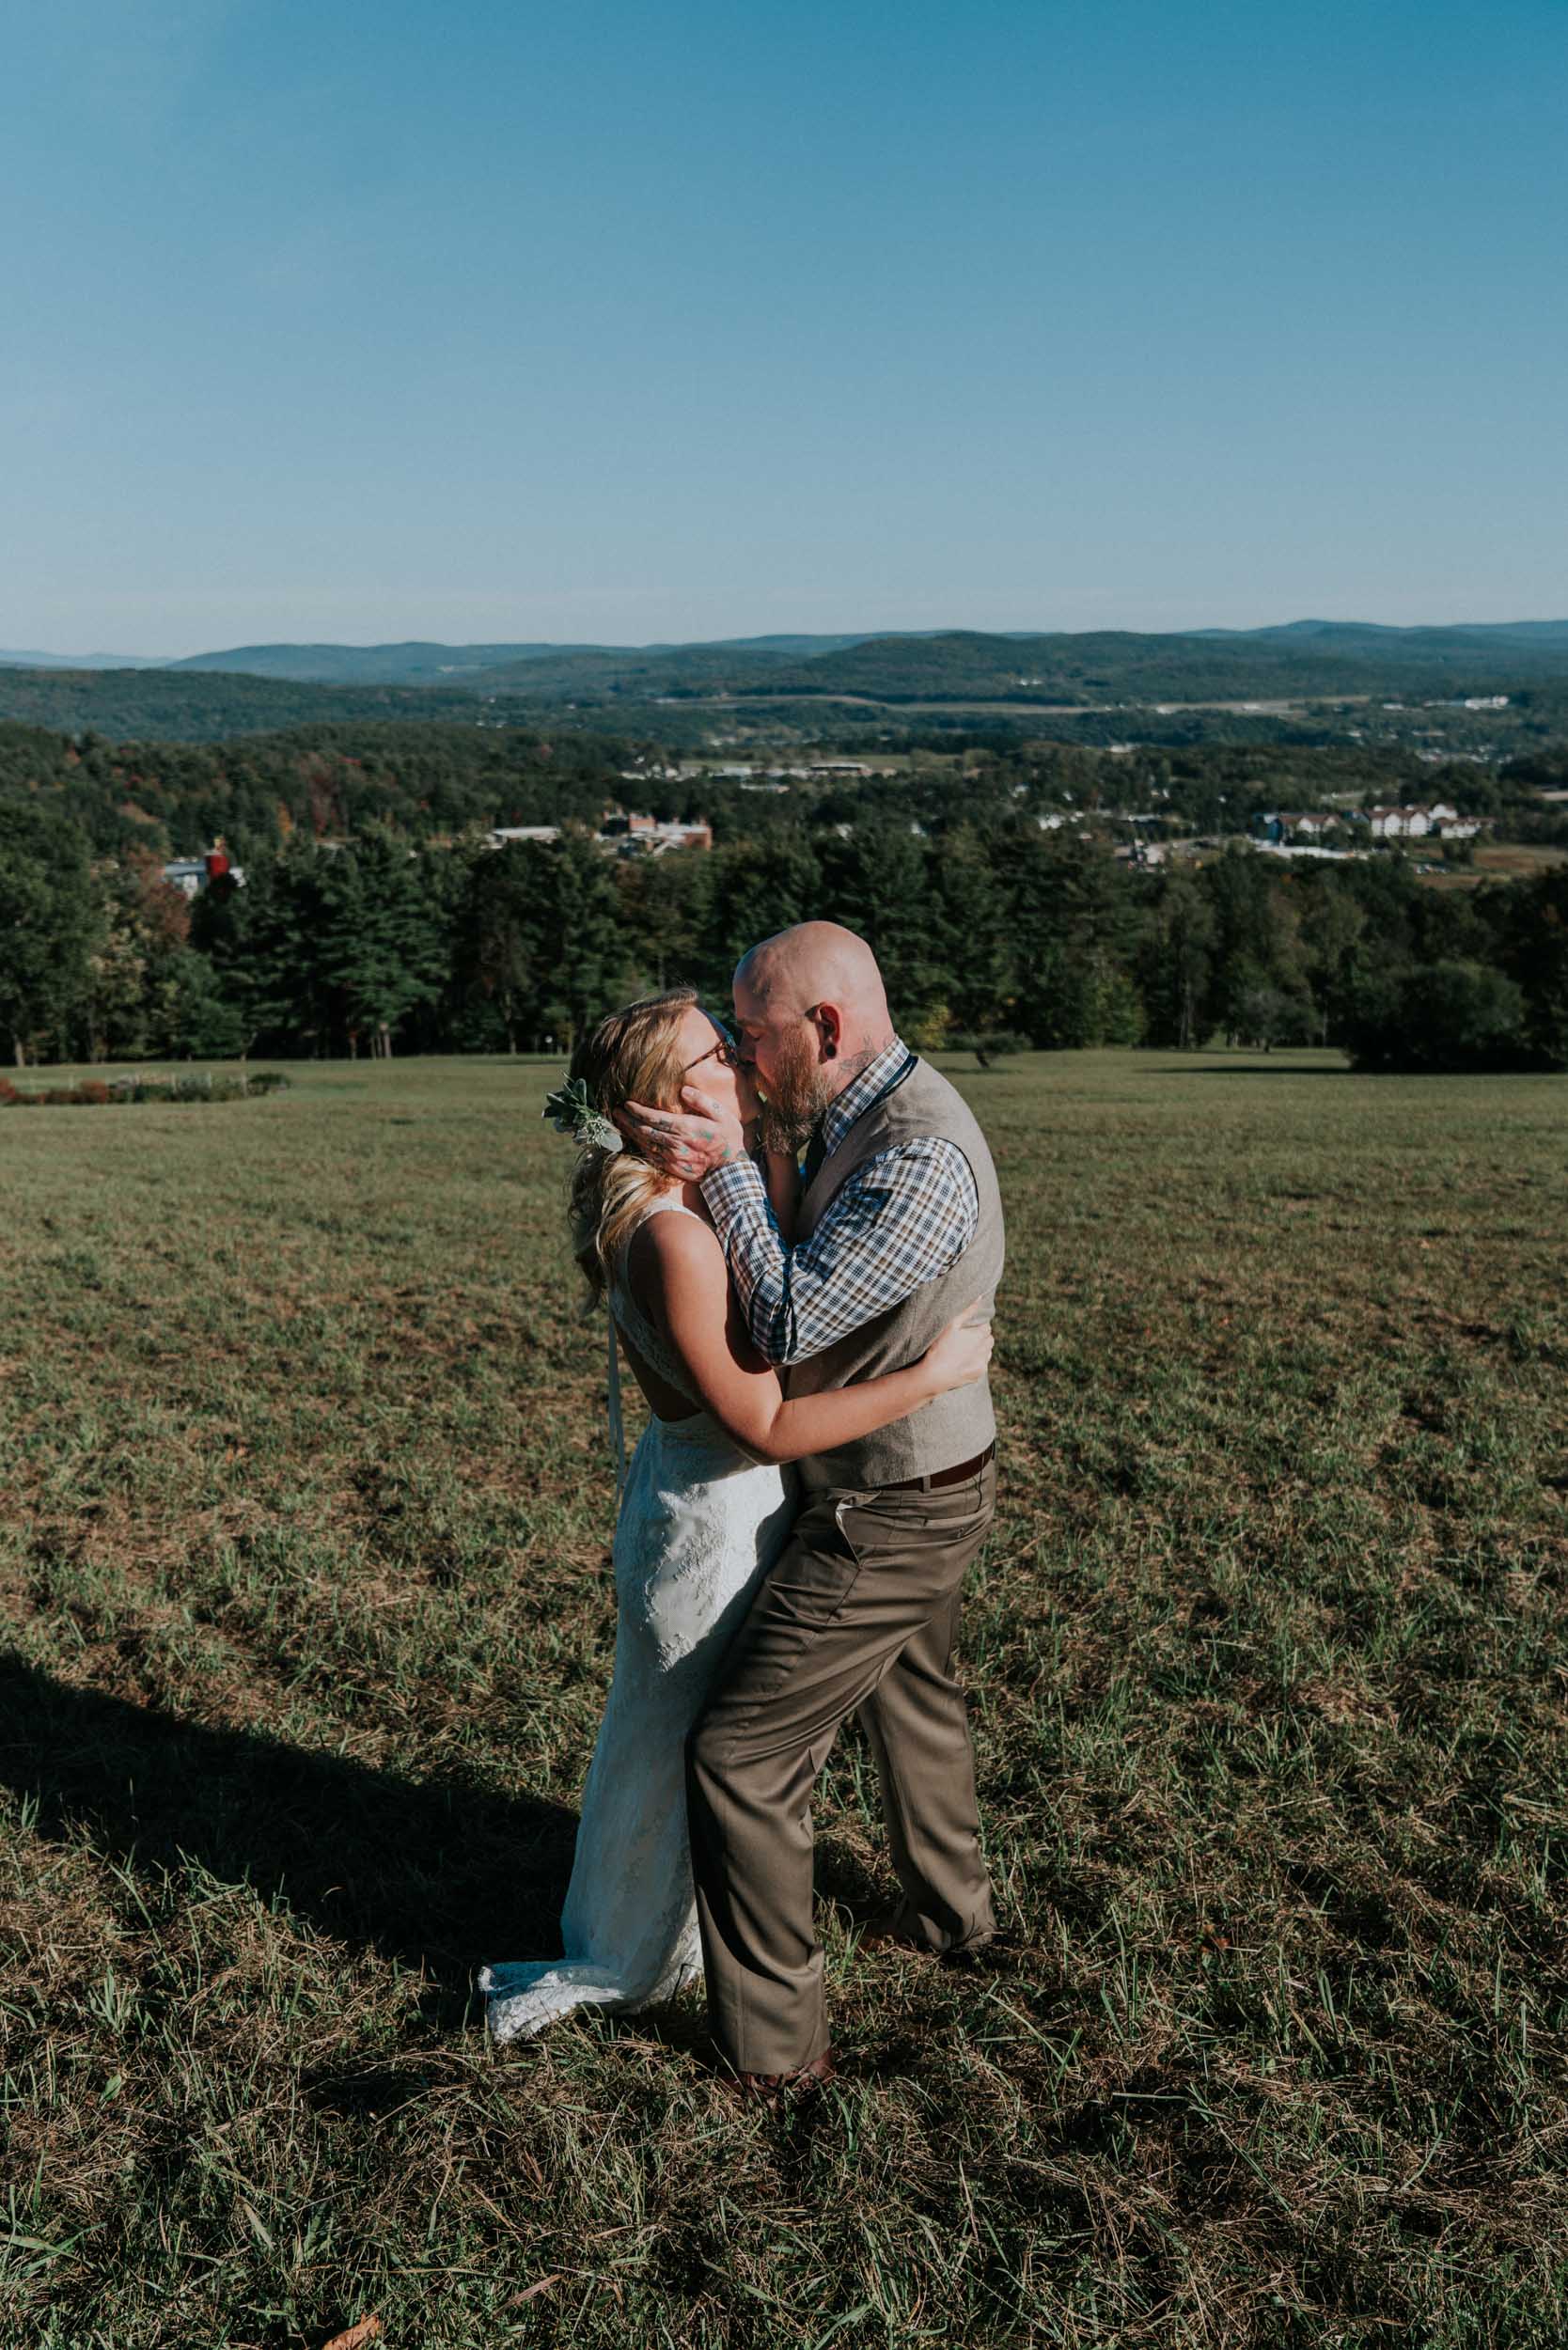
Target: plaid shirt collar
x=859, y=1095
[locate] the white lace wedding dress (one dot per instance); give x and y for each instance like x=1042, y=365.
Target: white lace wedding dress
x=700, y=1525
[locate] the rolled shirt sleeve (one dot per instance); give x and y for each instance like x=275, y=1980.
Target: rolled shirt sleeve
x=900, y=1221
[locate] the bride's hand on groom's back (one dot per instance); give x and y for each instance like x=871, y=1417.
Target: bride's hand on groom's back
x=959, y=1356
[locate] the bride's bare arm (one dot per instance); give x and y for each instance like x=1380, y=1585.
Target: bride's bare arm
x=677, y=1269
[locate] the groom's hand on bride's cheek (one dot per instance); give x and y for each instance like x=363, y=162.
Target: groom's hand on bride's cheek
x=719, y=1129
x=688, y=1144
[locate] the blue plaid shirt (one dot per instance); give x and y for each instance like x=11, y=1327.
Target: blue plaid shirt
x=897, y=1222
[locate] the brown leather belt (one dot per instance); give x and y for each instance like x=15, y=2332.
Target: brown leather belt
x=942, y=1477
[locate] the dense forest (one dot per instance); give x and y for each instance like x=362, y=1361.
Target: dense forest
x=431, y=781
x=205, y=706
x=172, y=799
x=377, y=917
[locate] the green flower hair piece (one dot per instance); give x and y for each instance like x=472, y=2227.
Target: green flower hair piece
x=570, y=1111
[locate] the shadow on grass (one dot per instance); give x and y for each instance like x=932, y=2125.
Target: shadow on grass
x=441, y=1875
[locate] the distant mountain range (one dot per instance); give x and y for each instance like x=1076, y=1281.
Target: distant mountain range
x=415, y=663
x=905, y=661
x=80, y=660
x=247, y=688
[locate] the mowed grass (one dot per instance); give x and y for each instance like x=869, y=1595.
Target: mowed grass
x=305, y=1566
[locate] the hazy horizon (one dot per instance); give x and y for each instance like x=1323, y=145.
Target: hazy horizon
x=409, y=637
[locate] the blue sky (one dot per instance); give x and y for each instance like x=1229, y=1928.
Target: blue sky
x=628, y=322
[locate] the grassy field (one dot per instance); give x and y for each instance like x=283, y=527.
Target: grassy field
x=304, y=1562
x=1496, y=861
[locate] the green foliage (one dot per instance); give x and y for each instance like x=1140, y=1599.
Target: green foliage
x=761, y=886
x=1441, y=1016
x=384, y=949
x=974, y=930
x=100, y=1092
x=876, y=881
x=1529, y=927
x=161, y=799
x=202, y=706
x=987, y=1045
x=1175, y=960
x=1073, y=922
x=377, y=917
x=932, y=1029
x=49, y=928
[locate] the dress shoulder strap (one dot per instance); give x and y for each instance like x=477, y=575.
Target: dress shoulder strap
x=669, y=1207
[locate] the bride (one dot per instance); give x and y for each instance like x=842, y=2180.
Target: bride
x=705, y=1510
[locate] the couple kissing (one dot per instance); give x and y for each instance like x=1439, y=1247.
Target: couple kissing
x=796, y=1521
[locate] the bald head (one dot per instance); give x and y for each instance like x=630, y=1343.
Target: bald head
x=816, y=963
x=812, y=1009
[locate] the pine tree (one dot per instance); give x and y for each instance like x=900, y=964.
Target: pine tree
x=973, y=931
x=876, y=881
x=49, y=929
x=383, y=952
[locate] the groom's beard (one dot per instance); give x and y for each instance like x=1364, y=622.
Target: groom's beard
x=797, y=1094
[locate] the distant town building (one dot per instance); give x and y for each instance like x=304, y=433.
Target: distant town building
x=1413, y=823
x=1293, y=824
x=621, y=834
x=192, y=874
x=821, y=769
x=1308, y=848
x=643, y=836
x=1398, y=824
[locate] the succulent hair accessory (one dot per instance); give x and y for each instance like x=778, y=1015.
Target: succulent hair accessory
x=571, y=1112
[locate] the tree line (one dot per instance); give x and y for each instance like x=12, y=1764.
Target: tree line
x=988, y=928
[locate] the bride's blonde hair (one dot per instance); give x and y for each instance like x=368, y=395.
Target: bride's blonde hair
x=633, y=1056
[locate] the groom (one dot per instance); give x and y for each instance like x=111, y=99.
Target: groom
x=899, y=1227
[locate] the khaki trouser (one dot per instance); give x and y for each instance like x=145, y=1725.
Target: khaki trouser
x=860, y=1613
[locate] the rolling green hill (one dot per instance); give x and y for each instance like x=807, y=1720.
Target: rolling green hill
x=262, y=688
x=412, y=664
x=1313, y=659
x=1324, y=660
x=205, y=706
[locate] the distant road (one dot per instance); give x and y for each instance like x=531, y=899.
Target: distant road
x=1025, y=710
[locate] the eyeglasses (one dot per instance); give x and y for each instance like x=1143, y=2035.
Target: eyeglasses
x=723, y=1050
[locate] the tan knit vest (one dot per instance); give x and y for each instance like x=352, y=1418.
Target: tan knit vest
x=956, y=1425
